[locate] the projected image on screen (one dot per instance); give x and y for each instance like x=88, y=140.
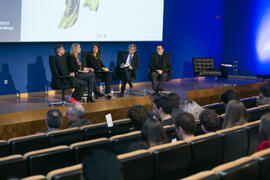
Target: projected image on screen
x=84, y=20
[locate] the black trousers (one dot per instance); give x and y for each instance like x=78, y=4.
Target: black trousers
x=78, y=93
x=125, y=77
x=158, y=80
x=105, y=77
x=90, y=80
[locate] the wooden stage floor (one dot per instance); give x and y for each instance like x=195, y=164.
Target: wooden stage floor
x=34, y=101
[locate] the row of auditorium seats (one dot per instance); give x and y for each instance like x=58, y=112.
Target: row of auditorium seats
x=168, y=161
x=220, y=107
x=254, y=167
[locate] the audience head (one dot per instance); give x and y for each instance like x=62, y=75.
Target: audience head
x=59, y=50
x=265, y=90
x=265, y=127
x=54, y=119
x=75, y=49
x=209, y=120
x=132, y=48
x=101, y=164
x=74, y=112
x=228, y=96
x=175, y=100
x=236, y=114
x=185, y=126
x=152, y=133
x=160, y=50
x=95, y=49
x=138, y=115
x=163, y=106
x=193, y=108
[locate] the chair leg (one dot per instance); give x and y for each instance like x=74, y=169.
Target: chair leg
x=63, y=94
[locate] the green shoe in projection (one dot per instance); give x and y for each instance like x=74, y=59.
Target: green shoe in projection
x=70, y=15
x=93, y=4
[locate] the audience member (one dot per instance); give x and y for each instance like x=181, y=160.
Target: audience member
x=227, y=96
x=185, y=126
x=209, y=121
x=236, y=114
x=163, y=109
x=264, y=97
x=193, y=108
x=75, y=116
x=102, y=165
x=264, y=133
x=175, y=100
x=53, y=120
x=138, y=115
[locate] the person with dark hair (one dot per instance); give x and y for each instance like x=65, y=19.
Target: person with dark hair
x=209, y=121
x=127, y=64
x=175, y=100
x=264, y=96
x=61, y=65
x=138, y=115
x=94, y=61
x=75, y=116
x=152, y=134
x=159, y=67
x=236, y=114
x=53, y=120
x=102, y=165
x=264, y=133
x=185, y=126
x=163, y=109
x=228, y=95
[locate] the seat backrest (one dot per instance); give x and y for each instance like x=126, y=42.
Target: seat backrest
x=172, y=160
x=253, y=136
x=4, y=148
x=206, y=151
x=218, y=107
x=121, y=126
x=95, y=131
x=13, y=166
x=82, y=149
x=170, y=132
x=256, y=113
x=204, y=175
x=234, y=143
x=244, y=168
x=54, y=72
x=202, y=64
x=46, y=160
x=120, y=143
x=37, y=177
x=264, y=160
x=67, y=173
x=137, y=165
x=83, y=57
x=25, y=144
x=65, y=137
x=249, y=102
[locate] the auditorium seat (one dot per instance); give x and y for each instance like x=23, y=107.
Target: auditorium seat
x=244, y=168
x=206, y=151
x=21, y=145
x=253, y=135
x=256, y=112
x=170, y=132
x=199, y=130
x=172, y=160
x=95, y=131
x=46, y=160
x=234, y=143
x=204, y=175
x=264, y=162
x=249, y=102
x=65, y=137
x=120, y=143
x=67, y=173
x=122, y=126
x=4, y=148
x=13, y=166
x=218, y=107
x=81, y=149
x=36, y=177
x=137, y=165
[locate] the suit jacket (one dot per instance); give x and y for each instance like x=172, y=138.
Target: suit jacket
x=122, y=58
x=94, y=63
x=164, y=65
x=73, y=65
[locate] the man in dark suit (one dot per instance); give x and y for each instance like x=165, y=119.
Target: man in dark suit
x=128, y=63
x=159, y=67
x=60, y=62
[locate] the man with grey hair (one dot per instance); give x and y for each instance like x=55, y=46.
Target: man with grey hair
x=75, y=116
x=128, y=63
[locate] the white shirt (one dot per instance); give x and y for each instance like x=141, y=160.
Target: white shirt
x=128, y=61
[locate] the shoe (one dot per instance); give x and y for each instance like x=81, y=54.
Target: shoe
x=108, y=96
x=72, y=100
x=121, y=94
x=70, y=15
x=90, y=100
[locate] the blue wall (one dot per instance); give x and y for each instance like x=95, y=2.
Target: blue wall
x=247, y=35
x=191, y=29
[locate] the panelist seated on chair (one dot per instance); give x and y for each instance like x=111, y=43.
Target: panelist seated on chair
x=127, y=65
x=86, y=74
x=159, y=69
x=61, y=65
x=94, y=61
